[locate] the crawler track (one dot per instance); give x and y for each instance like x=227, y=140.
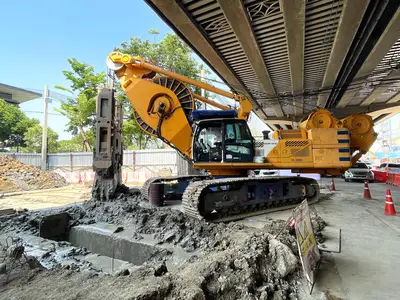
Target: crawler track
x=194, y=197
x=145, y=188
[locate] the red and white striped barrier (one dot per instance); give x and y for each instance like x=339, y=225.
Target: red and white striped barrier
x=80, y=177
x=380, y=176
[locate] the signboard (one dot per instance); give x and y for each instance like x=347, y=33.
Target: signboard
x=308, y=249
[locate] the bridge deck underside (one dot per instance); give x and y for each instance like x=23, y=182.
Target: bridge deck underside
x=292, y=56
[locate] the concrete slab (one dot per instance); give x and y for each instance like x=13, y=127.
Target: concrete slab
x=100, y=238
x=109, y=265
x=49, y=253
x=108, y=240
x=367, y=265
x=7, y=211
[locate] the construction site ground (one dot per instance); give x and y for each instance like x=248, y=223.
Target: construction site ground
x=365, y=268
x=46, y=198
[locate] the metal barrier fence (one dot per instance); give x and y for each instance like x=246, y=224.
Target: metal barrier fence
x=153, y=160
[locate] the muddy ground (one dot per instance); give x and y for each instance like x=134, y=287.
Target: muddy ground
x=235, y=261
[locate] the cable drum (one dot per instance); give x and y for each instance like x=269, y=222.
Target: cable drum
x=182, y=92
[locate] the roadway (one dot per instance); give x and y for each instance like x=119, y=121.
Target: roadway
x=366, y=268
x=370, y=240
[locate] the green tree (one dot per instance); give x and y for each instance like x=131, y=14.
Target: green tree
x=68, y=146
x=172, y=54
x=81, y=110
x=75, y=144
x=83, y=78
x=33, y=138
x=13, y=124
x=134, y=136
x=154, y=33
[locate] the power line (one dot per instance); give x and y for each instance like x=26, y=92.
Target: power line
x=40, y=112
x=358, y=82
x=53, y=95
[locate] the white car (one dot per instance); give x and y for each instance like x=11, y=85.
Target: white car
x=284, y=172
x=389, y=167
x=261, y=173
x=359, y=171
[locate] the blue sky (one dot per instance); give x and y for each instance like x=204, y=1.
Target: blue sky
x=38, y=37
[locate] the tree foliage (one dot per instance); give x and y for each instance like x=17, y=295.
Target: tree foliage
x=33, y=139
x=75, y=144
x=80, y=110
x=13, y=124
x=136, y=139
x=172, y=54
x=154, y=33
x=83, y=78
x=69, y=146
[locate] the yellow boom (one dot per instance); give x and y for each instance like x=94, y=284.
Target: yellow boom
x=163, y=106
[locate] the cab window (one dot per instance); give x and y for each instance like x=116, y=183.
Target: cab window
x=238, y=142
x=208, y=145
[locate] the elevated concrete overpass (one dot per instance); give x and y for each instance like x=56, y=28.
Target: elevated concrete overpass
x=291, y=56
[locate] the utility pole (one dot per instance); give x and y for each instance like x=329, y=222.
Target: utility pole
x=203, y=79
x=44, y=133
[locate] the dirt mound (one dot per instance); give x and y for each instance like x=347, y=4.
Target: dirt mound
x=16, y=176
x=257, y=267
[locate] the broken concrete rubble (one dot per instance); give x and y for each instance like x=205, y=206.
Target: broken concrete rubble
x=16, y=176
x=282, y=257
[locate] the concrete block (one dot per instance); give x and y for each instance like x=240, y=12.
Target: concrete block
x=7, y=211
x=101, y=238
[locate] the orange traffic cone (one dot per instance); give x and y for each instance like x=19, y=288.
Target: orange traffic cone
x=333, y=187
x=367, y=193
x=389, y=206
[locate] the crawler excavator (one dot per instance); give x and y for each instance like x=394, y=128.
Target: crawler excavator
x=220, y=142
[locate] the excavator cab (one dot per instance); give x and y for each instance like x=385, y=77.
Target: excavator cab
x=222, y=140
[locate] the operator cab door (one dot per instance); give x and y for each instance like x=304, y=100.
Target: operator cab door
x=222, y=140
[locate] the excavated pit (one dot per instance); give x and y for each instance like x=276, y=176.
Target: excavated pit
x=166, y=254
x=113, y=245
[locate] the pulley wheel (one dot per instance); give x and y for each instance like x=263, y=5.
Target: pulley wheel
x=361, y=124
x=321, y=119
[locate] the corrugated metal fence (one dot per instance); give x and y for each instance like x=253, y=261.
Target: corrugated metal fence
x=154, y=160
x=33, y=159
